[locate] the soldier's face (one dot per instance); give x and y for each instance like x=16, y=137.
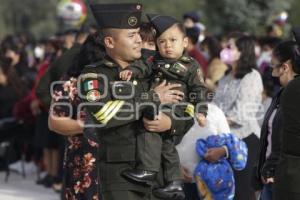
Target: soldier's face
x=128, y=44
x=172, y=43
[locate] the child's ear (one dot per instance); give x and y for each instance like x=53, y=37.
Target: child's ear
x=185, y=42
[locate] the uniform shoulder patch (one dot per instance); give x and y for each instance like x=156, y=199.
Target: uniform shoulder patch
x=93, y=95
x=92, y=84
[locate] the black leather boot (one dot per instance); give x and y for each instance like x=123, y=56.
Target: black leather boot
x=173, y=191
x=139, y=175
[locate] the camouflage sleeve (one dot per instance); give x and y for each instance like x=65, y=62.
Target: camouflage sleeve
x=180, y=126
x=196, y=89
x=141, y=69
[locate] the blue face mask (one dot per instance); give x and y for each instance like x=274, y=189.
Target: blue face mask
x=146, y=53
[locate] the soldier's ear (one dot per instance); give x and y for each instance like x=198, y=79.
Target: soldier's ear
x=185, y=42
x=109, y=42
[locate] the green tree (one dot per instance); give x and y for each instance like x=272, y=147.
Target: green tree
x=40, y=18
x=243, y=15
x=27, y=15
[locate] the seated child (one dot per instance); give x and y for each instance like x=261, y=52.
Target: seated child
x=174, y=66
x=215, y=180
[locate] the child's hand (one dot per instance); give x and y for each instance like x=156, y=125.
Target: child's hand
x=201, y=120
x=214, y=154
x=125, y=75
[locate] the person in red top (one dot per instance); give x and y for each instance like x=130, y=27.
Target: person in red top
x=193, y=50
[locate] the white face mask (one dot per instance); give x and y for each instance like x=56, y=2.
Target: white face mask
x=39, y=52
x=265, y=57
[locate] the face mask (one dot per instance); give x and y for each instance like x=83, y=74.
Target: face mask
x=39, y=52
x=264, y=58
x=227, y=56
x=276, y=81
x=146, y=53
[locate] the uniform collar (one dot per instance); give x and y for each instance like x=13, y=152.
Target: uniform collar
x=184, y=58
x=109, y=62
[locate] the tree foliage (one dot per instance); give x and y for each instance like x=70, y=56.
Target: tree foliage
x=243, y=15
x=39, y=17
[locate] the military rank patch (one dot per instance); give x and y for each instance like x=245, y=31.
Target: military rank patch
x=93, y=95
x=108, y=111
x=91, y=85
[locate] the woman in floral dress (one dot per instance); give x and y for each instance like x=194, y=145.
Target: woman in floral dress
x=80, y=168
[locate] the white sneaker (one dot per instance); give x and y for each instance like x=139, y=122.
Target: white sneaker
x=16, y=166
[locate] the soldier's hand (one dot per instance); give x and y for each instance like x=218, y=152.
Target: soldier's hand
x=126, y=75
x=167, y=93
x=161, y=123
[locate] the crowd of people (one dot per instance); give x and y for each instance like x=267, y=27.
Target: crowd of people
x=161, y=109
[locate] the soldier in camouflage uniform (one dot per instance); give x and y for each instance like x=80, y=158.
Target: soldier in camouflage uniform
x=110, y=104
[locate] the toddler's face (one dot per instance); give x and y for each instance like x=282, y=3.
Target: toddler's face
x=172, y=43
x=150, y=45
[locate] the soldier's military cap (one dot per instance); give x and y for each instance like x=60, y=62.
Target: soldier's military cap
x=161, y=22
x=122, y=16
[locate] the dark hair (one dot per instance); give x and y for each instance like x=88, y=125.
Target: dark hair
x=272, y=42
x=147, y=32
x=213, y=45
x=288, y=50
x=14, y=46
x=91, y=51
x=181, y=27
x=235, y=35
x=247, y=61
x=193, y=34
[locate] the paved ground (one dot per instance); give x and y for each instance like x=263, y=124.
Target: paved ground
x=18, y=188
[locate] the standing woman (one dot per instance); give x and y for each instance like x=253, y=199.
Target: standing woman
x=239, y=96
x=80, y=169
x=271, y=133
x=287, y=178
